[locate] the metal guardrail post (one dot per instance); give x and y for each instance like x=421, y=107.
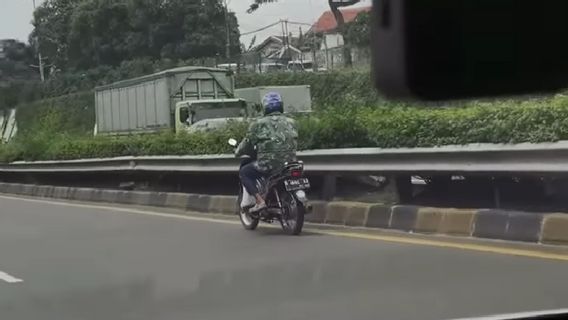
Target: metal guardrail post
x=329, y=189
x=403, y=188
x=496, y=196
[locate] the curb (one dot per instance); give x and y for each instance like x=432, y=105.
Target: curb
x=478, y=223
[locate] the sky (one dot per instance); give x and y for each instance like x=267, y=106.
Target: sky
x=15, y=16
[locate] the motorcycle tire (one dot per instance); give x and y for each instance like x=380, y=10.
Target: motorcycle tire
x=292, y=211
x=248, y=222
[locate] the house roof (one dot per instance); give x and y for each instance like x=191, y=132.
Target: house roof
x=267, y=41
x=327, y=23
x=278, y=39
x=279, y=53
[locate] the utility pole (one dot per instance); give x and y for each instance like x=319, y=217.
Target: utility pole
x=287, y=39
x=228, y=30
x=40, y=60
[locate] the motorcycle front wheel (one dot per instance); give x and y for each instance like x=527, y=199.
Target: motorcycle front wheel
x=293, y=213
x=248, y=222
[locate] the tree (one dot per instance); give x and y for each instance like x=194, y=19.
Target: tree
x=359, y=30
x=334, y=5
x=98, y=32
x=197, y=29
x=15, y=72
x=15, y=65
x=51, y=29
x=83, y=34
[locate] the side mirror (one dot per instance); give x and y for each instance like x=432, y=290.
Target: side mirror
x=232, y=142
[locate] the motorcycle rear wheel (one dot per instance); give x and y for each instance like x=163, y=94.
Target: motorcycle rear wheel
x=293, y=213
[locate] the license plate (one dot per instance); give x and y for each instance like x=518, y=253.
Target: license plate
x=297, y=184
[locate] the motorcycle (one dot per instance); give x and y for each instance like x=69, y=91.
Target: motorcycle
x=285, y=196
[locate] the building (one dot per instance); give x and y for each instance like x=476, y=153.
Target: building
x=273, y=54
x=327, y=24
x=332, y=44
x=278, y=49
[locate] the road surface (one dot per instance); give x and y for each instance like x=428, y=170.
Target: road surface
x=69, y=261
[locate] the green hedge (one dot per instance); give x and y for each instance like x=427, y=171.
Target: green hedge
x=65, y=147
x=543, y=120
x=71, y=114
x=348, y=126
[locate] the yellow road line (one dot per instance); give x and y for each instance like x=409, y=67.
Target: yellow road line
x=446, y=243
x=488, y=248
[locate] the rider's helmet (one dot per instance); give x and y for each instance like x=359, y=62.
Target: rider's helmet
x=272, y=103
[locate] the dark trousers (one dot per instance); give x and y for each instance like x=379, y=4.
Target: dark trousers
x=250, y=174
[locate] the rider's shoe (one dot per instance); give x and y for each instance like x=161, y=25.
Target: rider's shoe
x=257, y=208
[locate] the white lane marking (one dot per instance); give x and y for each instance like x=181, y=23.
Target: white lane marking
x=8, y=278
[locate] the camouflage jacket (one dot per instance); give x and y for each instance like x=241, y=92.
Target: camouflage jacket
x=276, y=140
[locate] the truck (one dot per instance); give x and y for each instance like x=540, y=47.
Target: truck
x=173, y=99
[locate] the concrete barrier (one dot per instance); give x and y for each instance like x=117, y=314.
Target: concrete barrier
x=199, y=202
x=490, y=224
x=508, y=225
x=428, y=220
x=83, y=194
x=346, y=213
x=404, y=217
x=357, y=215
x=555, y=229
x=457, y=222
x=486, y=223
x=140, y=198
x=524, y=227
x=379, y=216
x=319, y=212
x=42, y=191
x=177, y=200
x=61, y=192
x=223, y=204
x=157, y=199
x=109, y=196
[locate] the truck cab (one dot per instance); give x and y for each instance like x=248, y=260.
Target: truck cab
x=205, y=115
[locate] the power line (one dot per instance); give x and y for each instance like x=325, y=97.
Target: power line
x=261, y=29
x=300, y=23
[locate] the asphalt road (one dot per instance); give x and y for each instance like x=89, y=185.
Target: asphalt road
x=84, y=263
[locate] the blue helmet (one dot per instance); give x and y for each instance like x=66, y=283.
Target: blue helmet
x=272, y=102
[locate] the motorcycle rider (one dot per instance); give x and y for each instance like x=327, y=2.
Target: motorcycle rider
x=275, y=138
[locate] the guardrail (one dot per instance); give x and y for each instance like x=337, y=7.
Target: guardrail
x=478, y=158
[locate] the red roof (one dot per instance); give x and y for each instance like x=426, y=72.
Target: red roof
x=327, y=23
